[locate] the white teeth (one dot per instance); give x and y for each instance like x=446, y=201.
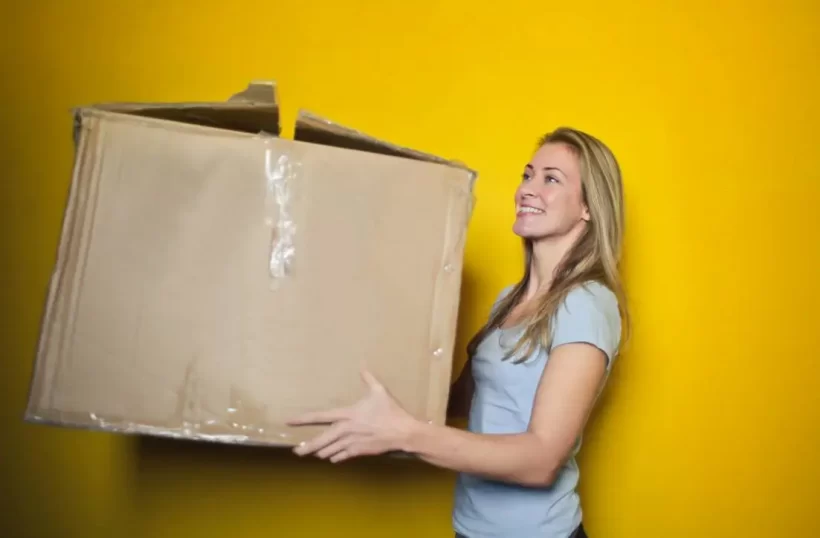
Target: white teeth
x=529, y=210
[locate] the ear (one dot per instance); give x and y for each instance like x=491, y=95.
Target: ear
x=585, y=213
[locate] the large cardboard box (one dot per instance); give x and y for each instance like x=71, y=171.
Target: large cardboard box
x=214, y=279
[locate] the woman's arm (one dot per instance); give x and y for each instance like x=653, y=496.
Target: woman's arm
x=565, y=396
x=377, y=424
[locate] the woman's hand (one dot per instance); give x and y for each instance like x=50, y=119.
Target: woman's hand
x=374, y=425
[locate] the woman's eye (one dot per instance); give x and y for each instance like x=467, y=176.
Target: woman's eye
x=552, y=179
x=525, y=177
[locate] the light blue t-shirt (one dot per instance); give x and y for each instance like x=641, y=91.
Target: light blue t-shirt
x=502, y=404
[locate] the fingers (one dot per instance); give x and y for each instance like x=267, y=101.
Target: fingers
x=357, y=445
x=347, y=448
x=334, y=449
x=341, y=456
x=341, y=443
x=369, y=378
x=328, y=437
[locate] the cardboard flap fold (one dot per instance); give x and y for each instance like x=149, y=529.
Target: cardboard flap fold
x=253, y=110
x=261, y=93
x=318, y=130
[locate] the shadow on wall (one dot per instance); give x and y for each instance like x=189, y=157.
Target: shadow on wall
x=611, y=394
x=157, y=458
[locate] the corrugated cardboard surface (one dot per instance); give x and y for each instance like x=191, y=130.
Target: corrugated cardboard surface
x=163, y=316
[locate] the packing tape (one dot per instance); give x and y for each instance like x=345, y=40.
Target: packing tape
x=281, y=170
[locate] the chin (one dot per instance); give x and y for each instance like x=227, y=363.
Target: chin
x=524, y=233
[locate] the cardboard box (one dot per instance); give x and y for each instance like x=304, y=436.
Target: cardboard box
x=214, y=279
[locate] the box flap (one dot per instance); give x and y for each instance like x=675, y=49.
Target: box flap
x=253, y=110
x=318, y=130
x=261, y=93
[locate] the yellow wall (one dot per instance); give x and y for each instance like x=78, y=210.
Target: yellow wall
x=710, y=426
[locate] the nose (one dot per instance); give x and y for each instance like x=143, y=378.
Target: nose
x=525, y=191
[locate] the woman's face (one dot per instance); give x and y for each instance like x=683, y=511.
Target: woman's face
x=549, y=201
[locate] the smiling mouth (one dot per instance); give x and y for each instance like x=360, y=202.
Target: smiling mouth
x=529, y=211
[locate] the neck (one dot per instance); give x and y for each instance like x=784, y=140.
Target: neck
x=547, y=253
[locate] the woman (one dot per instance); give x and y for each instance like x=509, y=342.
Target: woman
x=535, y=369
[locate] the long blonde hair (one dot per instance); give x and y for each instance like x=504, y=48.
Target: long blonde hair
x=595, y=256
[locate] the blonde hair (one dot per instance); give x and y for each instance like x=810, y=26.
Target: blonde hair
x=595, y=256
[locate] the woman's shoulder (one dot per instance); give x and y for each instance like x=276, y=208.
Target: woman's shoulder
x=590, y=313
x=592, y=292
x=505, y=291
x=591, y=300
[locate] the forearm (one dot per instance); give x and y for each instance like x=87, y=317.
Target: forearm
x=517, y=458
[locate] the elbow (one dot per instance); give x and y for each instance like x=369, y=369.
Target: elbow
x=542, y=474
x=546, y=476
x=544, y=469
x=547, y=459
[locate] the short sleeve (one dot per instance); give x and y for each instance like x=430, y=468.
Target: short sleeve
x=501, y=296
x=589, y=314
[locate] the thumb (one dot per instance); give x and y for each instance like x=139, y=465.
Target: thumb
x=369, y=378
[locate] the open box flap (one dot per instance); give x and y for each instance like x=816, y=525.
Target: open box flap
x=252, y=110
x=318, y=130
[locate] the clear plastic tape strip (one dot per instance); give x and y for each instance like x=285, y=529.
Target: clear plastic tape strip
x=281, y=170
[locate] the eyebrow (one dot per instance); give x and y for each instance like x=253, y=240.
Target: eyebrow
x=548, y=168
